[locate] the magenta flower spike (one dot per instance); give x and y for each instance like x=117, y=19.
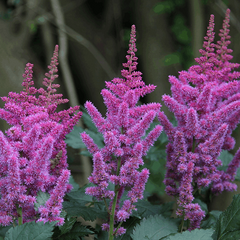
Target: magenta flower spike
x=33, y=152
x=206, y=103
x=123, y=129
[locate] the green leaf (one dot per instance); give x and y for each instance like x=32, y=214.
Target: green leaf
x=103, y=235
x=212, y=219
x=154, y=228
x=171, y=59
x=74, y=184
x=42, y=197
x=88, y=121
x=77, y=231
x=237, y=177
x=97, y=138
x=3, y=230
x=229, y=221
x=129, y=226
x=86, y=153
x=31, y=231
x=202, y=204
x=197, y=234
x=80, y=196
x=163, y=137
x=226, y=158
x=73, y=139
x=164, y=7
x=87, y=213
x=145, y=209
x=154, y=154
x=76, y=205
x=67, y=226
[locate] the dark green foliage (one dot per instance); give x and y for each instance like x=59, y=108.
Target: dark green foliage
x=154, y=228
x=167, y=6
x=73, y=183
x=202, y=204
x=146, y=209
x=42, y=197
x=228, y=224
x=74, y=140
x=75, y=232
x=197, y=234
x=80, y=204
x=155, y=162
x=31, y=231
x=211, y=220
x=3, y=230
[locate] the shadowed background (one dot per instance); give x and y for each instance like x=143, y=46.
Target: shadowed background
x=93, y=39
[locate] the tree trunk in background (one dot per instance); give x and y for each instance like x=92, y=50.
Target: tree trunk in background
x=91, y=75
x=15, y=53
x=156, y=42
x=197, y=25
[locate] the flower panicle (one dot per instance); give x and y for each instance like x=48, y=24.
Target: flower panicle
x=33, y=152
x=205, y=102
x=123, y=130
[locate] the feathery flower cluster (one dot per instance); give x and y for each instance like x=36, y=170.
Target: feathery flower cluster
x=206, y=103
x=123, y=130
x=33, y=152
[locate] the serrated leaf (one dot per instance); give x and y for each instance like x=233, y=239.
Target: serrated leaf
x=76, y=205
x=197, y=234
x=229, y=220
x=145, y=209
x=77, y=231
x=232, y=236
x=154, y=228
x=31, y=231
x=73, y=139
x=87, y=213
x=67, y=226
x=42, y=197
x=80, y=196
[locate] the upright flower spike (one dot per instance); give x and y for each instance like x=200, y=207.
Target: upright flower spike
x=206, y=103
x=123, y=129
x=33, y=152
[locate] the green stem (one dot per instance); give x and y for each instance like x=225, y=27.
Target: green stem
x=20, y=218
x=106, y=206
x=180, y=228
x=112, y=215
x=119, y=225
x=194, y=145
x=111, y=223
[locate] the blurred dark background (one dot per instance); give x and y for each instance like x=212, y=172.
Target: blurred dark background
x=93, y=39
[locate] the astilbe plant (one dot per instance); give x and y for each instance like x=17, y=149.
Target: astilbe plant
x=33, y=152
x=123, y=130
x=206, y=103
